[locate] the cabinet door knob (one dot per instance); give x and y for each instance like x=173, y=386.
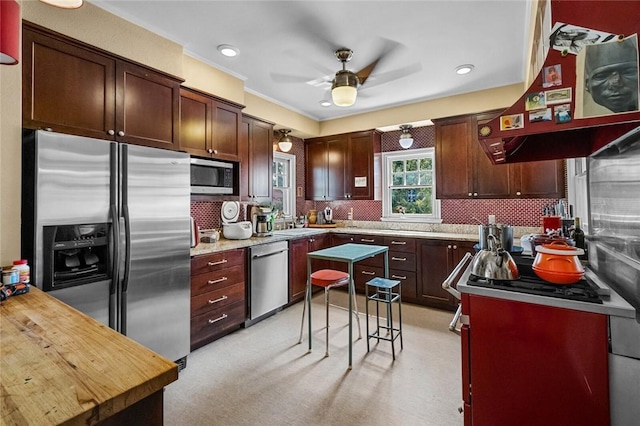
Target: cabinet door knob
x=121, y=133
x=518, y=193
x=48, y=129
x=111, y=132
x=470, y=194
x=455, y=247
x=210, y=151
x=215, y=151
x=475, y=194
x=449, y=247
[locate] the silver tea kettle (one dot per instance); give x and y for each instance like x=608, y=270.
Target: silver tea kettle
x=495, y=263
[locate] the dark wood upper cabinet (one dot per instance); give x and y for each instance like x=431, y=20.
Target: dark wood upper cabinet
x=256, y=156
x=341, y=167
x=209, y=126
x=463, y=170
x=147, y=105
x=71, y=87
x=454, y=162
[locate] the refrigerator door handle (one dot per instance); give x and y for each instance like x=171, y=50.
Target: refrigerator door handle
x=124, y=163
x=125, y=215
x=115, y=238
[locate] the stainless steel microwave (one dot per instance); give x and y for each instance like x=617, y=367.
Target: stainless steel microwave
x=212, y=177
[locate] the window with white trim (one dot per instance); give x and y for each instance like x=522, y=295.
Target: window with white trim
x=409, y=186
x=284, y=183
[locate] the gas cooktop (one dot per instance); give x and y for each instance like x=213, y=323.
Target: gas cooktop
x=530, y=283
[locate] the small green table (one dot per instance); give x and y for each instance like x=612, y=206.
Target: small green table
x=349, y=253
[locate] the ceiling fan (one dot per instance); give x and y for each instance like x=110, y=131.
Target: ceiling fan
x=344, y=87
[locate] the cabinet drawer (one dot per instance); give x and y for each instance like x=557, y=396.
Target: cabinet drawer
x=364, y=273
x=216, y=261
x=408, y=283
x=339, y=239
x=204, y=283
x=369, y=239
x=216, y=299
x=214, y=323
x=403, y=261
x=400, y=244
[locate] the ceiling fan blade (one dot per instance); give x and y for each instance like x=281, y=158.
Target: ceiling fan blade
x=386, y=48
x=386, y=77
x=365, y=72
x=286, y=78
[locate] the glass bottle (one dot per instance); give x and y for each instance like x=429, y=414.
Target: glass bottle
x=577, y=234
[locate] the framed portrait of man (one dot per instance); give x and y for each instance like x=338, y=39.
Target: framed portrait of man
x=607, y=78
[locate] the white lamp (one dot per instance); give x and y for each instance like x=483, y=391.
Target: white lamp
x=406, y=140
x=285, y=143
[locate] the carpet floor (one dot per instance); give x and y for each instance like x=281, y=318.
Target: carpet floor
x=262, y=376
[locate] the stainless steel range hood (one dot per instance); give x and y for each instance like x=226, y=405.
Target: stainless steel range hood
x=546, y=139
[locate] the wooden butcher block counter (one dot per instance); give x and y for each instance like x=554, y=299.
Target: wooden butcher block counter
x=59, y=366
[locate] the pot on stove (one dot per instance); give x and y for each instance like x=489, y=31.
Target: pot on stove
x=558, y=263
x=494, y=263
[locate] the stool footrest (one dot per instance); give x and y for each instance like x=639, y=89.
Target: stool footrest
x=383, y=297
x=376, y=334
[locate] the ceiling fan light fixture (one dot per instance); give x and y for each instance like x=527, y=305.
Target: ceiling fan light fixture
x=344, y=89
x=406, y=140
x=64, y=4
x=285, y=143
x=228, y=50
x=464, y=69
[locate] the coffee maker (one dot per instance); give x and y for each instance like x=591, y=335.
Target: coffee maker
x=261, y=221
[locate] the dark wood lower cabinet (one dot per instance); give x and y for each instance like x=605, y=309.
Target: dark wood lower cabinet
x=436, y=260
x=218, y=304
x=298, y=250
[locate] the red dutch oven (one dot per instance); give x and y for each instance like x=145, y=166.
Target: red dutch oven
x=558, y=263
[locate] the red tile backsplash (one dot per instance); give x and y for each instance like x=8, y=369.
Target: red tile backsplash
x=507, y=211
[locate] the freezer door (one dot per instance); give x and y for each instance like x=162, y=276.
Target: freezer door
x=155, y=297
x=71, y=185
x=90, y=299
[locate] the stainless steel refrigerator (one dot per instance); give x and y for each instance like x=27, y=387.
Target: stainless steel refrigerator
x=106, y=229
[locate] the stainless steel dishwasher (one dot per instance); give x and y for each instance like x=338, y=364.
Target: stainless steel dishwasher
x=269, y=280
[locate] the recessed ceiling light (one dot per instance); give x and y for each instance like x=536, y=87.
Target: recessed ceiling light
x=325, y=103
x=228, y=50
x=464, y=69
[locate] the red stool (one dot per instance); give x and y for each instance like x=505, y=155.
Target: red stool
x=328, y=279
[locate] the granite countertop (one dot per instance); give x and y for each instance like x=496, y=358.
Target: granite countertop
x=290, y=234
x=59, y=366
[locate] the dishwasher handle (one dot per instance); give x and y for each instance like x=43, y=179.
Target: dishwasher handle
x=273, y=253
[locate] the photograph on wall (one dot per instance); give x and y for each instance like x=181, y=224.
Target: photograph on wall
x=562, y=113
x=558, y=96
x=552, y=76
x=534, y=101
x=512, y=122
x=572, y=39
x=607, y=78
x=540, y=115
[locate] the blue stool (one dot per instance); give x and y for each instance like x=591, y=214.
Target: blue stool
x=384, y=294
